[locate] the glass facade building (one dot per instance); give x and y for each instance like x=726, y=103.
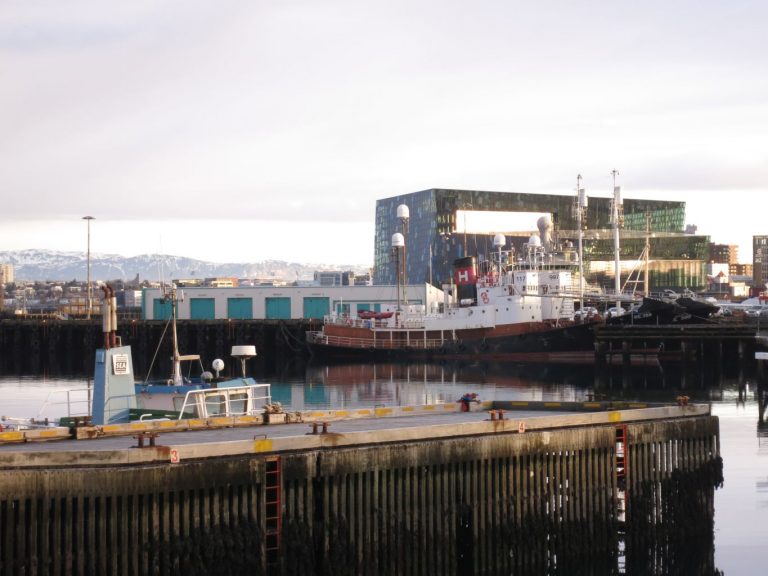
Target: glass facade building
x=433, y=243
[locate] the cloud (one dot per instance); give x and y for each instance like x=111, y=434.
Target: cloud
x=304, y=111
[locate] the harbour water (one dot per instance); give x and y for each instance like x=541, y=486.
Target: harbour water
x=740, y=505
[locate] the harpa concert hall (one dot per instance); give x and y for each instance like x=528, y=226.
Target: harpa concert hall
x=443, y=225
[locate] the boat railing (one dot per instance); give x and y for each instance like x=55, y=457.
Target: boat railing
x=76, y=400
x=397, y=342
x=229, y=401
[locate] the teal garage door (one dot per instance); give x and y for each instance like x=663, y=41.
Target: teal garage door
x=161, y=309
x=202, y=309
x=278, y=308
x=240, y=308
x=316, y=307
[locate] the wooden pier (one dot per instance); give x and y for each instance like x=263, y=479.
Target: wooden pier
x=532, y=488
x=637, y=343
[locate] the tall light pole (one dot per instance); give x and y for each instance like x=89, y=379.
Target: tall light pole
x=88, y=266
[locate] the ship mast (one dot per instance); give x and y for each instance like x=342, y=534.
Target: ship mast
x=617, y=220
x=581, y=209
x=647, y=284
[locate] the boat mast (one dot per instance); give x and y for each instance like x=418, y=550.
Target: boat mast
x=398, y=244
x=404, y=214
x=581, y=208
x=498, y=241
x=617, y=219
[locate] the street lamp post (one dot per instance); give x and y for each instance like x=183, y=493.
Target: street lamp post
x=88, y=267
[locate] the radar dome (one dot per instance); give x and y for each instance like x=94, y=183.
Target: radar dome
x=544, y=225
x=534, y=241
x=397, y=240
x=499, y=240
x=402, y=211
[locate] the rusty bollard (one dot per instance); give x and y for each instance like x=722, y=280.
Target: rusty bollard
x=146, y=436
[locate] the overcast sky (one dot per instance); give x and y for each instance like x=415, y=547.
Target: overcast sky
x=249, y=130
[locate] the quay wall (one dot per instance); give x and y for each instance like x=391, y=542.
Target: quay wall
x=68, y=346
x=557, y=501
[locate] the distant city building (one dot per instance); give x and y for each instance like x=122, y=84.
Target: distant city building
x=221, y=282
x=741, y=270
x=760, y=262
x=6, y=273
x=724, y=253
x=328, y=278
x=435, y=237
x=129, y=298
x=337, y=278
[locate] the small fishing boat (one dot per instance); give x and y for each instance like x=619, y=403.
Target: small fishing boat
x=117, y=397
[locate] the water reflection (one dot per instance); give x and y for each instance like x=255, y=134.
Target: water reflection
x=354, y=385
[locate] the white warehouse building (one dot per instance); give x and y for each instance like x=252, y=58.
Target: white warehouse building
x=286, y=302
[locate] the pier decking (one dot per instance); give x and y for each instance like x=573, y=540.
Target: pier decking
x=449, y=492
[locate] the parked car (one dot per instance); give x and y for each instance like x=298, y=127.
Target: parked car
x=586, y=313
x=614, y=312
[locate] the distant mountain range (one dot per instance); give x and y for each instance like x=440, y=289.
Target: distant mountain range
x=64, y=266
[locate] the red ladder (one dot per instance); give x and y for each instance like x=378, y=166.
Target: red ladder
x=273, y=482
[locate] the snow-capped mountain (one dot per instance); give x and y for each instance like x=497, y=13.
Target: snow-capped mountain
x=54, y=265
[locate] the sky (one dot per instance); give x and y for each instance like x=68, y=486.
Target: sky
x=255, y=129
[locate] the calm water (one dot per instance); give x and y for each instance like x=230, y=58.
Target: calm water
x=741, y=506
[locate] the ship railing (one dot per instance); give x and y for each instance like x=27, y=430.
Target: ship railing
x=416, y=322
x=382, y=343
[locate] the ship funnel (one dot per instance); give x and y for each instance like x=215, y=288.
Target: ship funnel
x=465, y=277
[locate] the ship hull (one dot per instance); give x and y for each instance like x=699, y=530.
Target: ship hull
x=534, y=343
